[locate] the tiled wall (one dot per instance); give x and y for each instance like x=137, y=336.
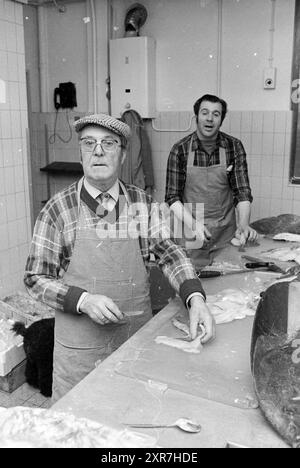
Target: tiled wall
x=15, y=224
x=266, y=137
x=46, y=148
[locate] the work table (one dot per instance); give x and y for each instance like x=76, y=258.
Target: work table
x=146, y=382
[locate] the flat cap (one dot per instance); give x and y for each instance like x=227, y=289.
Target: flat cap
x=106, y=121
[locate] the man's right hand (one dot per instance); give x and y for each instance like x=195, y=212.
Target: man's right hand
x=101, y=309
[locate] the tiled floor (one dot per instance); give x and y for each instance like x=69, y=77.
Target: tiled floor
x=24, y=396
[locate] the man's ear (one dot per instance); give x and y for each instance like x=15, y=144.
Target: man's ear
x=123, y=157
x=80, y=155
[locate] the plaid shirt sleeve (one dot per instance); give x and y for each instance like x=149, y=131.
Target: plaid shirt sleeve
x=49, y=259
x=176, y=174
x=239, y=180
x=170, y=257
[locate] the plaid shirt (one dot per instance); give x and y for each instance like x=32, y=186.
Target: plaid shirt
x=53, y=243
x=235, y=156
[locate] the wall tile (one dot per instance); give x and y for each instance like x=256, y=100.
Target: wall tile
x=246, y=122
x=246, y=141
x=19, y=178
x=11, y=37
x=280, y=122
x=265, y=207
x=268, y=143
x=3, y=239
x=257, y=122
x=235, y=122
x=3, y=215
x=9, y=11
x=256, y=144
x=277, y=168
x=14, y=209
x=296, y=207
x=14, y=98
x=3, y=35
x=277, y=186
x=20, y=39
x=279, y=144
x=12, y=59
x=5, y=122
x=3, y=62
x=9, y=180
x=286, y=206
x=275, y=207
x=13, y=234
x=268, y=122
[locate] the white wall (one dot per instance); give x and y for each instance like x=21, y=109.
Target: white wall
x=186, y=34
x=15, y=226
x=246, y=32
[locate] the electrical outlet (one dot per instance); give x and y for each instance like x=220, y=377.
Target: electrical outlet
x=270, y=78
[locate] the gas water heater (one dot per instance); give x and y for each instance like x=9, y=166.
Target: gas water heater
x=132, y=76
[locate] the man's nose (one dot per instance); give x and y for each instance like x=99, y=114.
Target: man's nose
x=209, y=117
x=98, y=149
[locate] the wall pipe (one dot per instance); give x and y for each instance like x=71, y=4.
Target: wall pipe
x=94, y=47
x=272, y=32
x=219, y=47
x=43, y=60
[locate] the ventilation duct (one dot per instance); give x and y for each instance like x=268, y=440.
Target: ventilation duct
x=136, y=16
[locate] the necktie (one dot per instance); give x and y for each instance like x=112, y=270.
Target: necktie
x=103, y=208
x=104, y=199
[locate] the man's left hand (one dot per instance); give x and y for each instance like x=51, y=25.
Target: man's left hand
x=200, y=315
x=245, y=234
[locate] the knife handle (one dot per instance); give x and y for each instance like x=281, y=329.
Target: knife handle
x=257, y=265
x=208, y=274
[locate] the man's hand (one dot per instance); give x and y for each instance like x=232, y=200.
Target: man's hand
x=245, y=234
x=200, y=314
x=101, y=309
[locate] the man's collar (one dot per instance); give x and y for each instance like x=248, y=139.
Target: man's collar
x=114, y=191
x=95, y=192
x=197, y=142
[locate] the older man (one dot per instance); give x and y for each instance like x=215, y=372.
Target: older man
x=89, y=257
x=207, y=170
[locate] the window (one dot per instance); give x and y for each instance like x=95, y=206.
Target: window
x=295, y=150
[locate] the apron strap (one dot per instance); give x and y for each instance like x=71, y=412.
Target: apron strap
x=223, y=159
x=191, y=155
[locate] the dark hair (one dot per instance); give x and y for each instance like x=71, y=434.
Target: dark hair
x=211, y=98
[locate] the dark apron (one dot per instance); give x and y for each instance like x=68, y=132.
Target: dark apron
x=210, y=185
x=112, y=267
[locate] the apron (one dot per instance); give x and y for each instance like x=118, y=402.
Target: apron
x=209, y=186
x=112, y=267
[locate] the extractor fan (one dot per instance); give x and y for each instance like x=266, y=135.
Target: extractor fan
x=136, y=16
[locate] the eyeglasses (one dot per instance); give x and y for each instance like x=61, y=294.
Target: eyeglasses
x=88, y=145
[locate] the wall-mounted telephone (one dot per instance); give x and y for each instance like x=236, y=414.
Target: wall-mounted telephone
x=65, y=96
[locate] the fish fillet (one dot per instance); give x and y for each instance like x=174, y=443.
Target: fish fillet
x=194, y=346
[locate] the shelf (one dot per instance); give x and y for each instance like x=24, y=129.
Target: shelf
x=61, y=167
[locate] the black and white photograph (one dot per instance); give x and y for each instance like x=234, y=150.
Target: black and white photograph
x=149, y=226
